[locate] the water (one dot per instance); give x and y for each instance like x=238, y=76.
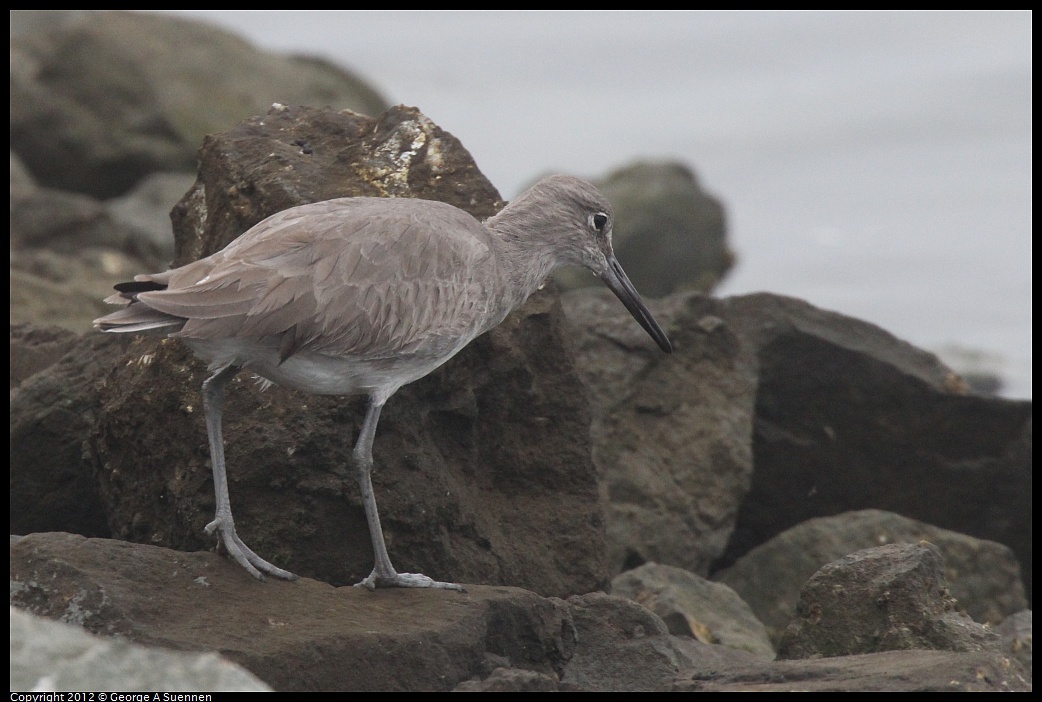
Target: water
x=877, y=164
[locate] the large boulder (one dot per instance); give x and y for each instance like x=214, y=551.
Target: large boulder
x=101, y=100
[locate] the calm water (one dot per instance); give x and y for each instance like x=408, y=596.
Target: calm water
x=878, y=164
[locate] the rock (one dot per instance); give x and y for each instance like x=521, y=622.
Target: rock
x=849, y=417
x=890, y=671
x=512, y=680
x=296, y=155
x=1016, y=633
x=888, y=598
x=66, y=253
x=483, y=469
x=145, y=213
x=983, y=576
x=835, y=414
x=61, y=221
x=48, y=656
x=983, y=371
x=669, y=234
x=22, y=183
x=52, y=482
x=693, y=606
x=35, y=347
x=26, y=21
x=307, y=635
x=65, y=290
x=671, y=434
x=621, y=647
x=101, y=101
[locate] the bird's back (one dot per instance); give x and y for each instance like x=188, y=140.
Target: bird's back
x=365, y=279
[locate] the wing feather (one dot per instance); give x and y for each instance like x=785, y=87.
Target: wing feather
x=359, y=276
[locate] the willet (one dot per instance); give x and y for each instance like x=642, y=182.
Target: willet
x=362, y=296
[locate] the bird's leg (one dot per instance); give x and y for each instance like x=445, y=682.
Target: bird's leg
x=223, y=524
x=384, y=574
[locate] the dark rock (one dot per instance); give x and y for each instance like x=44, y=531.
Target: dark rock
x=669, y=234
x=983, y=576
x=308, y=635
x=888, y=598
x=302, y=635
x=297, y=155
x=483, y=469
x=693, y=606
x=35, y=347
x=52, y=484
x=847, y=417
x=99, y=102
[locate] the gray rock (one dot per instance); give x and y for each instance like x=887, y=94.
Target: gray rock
x=49, y=656
x=66, y=253
x=621, y=647
x=100, y=102
x=889, y=671
x=888, y=598
x=65, y=289
x=693, y=606
x=28, y=21
x=61, y=221
x=671, y=434
x=1016, y=633
x=512, y=680
x=145, y=213
x=983, y=576
x=22, y=182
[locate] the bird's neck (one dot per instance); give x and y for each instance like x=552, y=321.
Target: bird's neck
x=526, y=260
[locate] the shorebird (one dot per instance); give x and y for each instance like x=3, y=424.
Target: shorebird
x=360, y=296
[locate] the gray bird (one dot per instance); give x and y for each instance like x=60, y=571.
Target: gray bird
x=362, y=296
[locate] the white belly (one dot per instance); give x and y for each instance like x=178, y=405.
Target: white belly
x=317, y=373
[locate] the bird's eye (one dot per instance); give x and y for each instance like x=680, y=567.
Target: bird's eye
x=598, y=220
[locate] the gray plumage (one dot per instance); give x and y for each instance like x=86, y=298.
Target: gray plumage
x=362, y=296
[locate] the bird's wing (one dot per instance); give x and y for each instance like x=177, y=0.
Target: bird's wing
x=341, y=277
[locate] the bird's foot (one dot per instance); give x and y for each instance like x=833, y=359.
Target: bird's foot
x=242, y=553
x=406, y=580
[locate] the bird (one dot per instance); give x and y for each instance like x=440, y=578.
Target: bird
x=360, y=296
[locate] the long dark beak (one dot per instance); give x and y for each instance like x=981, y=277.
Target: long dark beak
x=616, y=279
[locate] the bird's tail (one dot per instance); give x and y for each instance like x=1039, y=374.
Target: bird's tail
x=136, y=315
